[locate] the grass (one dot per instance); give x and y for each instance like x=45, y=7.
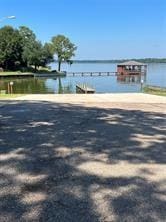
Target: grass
x=31, y=70
x=13, y=73
x=154, y=90
x=10, y=96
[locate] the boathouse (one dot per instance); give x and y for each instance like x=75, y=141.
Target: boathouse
x=131, y=68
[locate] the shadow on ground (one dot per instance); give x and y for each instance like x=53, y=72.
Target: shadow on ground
x=62, y=162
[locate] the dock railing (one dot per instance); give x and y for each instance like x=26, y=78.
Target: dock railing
x=92, y=73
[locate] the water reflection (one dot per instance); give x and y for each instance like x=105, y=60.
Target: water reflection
x=64, y=89
x=36, y=86
x=29, y=85
x=156, y=75
x=130, y=79
x=120, y=83
x=60, y=88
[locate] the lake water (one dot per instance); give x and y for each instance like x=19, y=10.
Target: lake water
x=156, y=75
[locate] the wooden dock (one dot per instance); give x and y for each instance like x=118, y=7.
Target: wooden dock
x=85, y=89
x=45, y=75
x=91, y=74
x=50, y=75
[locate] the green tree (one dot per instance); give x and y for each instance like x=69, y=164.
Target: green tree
x=63, y=48
x=28, y=42
x=34, y=53
x=10, y=48
x=27, y=35
x=47, y=55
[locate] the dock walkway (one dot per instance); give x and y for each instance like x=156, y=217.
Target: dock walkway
x=83, y=88
x=91, y=73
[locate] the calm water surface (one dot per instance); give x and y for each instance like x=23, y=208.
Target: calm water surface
x=156, y=75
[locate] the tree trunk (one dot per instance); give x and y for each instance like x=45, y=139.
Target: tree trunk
x=59, y=65
x=35, y=68
x=6, y=66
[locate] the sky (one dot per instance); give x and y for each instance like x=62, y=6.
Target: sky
x=101, y=29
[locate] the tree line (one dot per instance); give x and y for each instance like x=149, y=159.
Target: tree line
x=144, y=60
x=21, y=50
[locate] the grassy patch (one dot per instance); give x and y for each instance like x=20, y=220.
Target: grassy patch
x=14, y=73
x=155, y=91
x=10, y=96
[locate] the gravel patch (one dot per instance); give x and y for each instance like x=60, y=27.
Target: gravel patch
x=93, y=161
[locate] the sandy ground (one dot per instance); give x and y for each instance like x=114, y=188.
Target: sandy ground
x=97, y=98
x=83, y=158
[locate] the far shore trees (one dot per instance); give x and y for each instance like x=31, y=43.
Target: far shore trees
x=63, y=48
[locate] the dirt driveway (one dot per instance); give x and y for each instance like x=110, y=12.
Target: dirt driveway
x=86, y=162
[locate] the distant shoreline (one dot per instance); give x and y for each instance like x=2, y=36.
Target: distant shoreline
x=146, y=60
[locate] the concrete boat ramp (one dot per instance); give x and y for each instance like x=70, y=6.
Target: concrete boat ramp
x=97, y=98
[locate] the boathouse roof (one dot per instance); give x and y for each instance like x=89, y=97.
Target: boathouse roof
x=132, y=63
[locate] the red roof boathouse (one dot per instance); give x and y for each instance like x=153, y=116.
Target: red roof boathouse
x=131, y=68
